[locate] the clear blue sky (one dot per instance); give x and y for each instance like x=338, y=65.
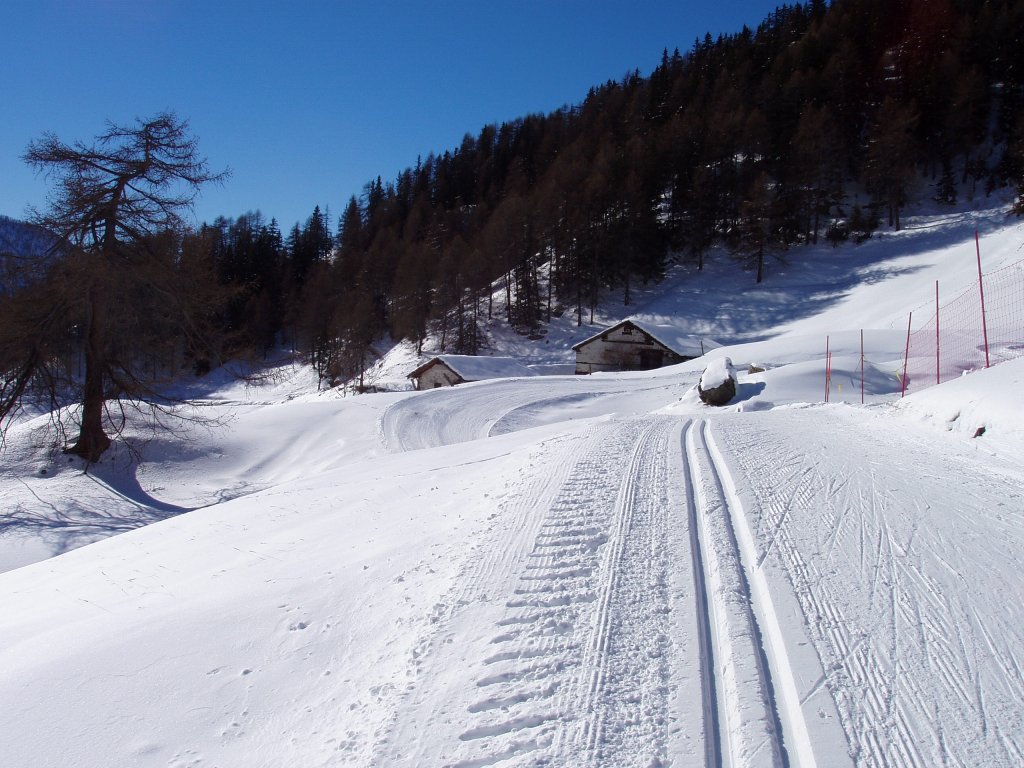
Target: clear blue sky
x=305, y=101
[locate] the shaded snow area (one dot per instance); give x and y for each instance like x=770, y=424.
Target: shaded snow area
x=551, y=570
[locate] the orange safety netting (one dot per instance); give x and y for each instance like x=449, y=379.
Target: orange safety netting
x=961, y=338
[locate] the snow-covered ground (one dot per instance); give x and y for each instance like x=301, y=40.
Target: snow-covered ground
x=553, y=570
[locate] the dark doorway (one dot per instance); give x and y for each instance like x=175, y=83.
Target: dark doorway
x=651, y=358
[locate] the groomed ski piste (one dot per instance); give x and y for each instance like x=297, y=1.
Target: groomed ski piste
x=555, y=570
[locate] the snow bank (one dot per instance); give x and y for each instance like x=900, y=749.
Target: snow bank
x=987, y=400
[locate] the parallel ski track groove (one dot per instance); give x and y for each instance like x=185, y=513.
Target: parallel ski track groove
x=790, y=725
x=749, y=720
x=705, y=643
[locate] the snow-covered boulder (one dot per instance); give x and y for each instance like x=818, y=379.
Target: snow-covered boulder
x=717, y=385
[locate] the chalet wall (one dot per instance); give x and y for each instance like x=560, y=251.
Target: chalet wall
x=438, y=375
x=625, y=348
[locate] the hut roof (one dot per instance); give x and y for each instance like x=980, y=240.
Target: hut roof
x=478, y=368
x=669, y=336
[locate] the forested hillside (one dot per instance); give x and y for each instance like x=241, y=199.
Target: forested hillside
x=823, y=122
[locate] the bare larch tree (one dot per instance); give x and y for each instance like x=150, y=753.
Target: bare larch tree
x=117, y=281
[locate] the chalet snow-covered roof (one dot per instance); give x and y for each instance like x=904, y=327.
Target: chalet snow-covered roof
x=669, y=336
x=479, y=368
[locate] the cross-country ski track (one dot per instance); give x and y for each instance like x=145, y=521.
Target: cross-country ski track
x=717, y=591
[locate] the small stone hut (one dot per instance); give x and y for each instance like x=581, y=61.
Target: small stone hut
x=449, y=370
x=637, y=345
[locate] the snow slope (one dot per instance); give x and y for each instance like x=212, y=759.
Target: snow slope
x=570, y=571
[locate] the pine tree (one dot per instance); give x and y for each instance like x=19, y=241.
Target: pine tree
x=889, y=162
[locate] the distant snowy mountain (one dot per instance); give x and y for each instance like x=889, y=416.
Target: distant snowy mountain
x=20, y=243
x=20, y=238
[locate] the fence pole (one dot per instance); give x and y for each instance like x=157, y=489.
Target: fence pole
x=981, y=288
x=830, y=378
x=937, y=379
x=862, y=366
x=828, y=360
x=906, y=355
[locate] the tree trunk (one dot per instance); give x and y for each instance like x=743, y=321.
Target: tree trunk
x=551, y=287
x=817, y=220
x=92, y=439
x=579, y=297
x=508, y=296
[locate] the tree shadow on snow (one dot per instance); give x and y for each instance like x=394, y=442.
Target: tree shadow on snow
x=106, y=501
x=726, y=304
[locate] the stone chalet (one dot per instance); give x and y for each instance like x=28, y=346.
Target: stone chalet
x=636, y=345
x=449, y=370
